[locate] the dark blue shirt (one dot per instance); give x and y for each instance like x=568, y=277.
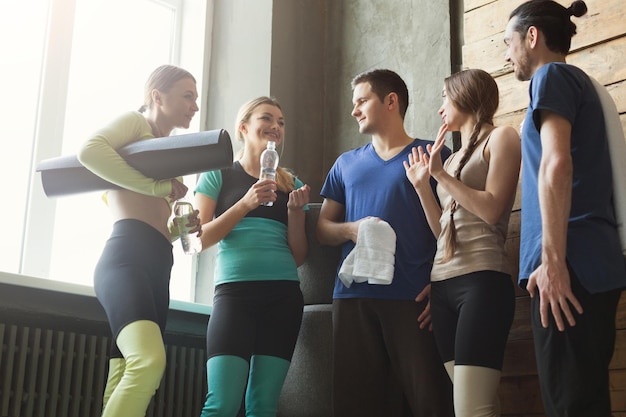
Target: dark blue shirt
x=369, y=186
x=593, y=247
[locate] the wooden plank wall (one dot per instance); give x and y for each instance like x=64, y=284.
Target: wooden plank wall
x=599, y=47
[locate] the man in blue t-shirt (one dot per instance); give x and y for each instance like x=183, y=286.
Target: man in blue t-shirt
x=382, y=331
x=570, y=256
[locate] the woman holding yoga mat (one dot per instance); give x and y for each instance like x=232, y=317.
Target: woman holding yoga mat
x=131, y=279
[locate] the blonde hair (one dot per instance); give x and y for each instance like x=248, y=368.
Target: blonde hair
x=162, y=79
x=285, y=180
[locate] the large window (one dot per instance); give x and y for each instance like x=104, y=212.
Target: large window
x=22, y=62
x=74, y=66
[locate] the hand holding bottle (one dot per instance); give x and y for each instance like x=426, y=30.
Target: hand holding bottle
x=189, y=228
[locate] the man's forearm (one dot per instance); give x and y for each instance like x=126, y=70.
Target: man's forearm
x=555, y=195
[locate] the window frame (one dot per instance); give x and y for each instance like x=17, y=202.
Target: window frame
x=40, y=210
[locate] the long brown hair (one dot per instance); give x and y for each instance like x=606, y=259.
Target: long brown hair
x=474, y=92
x=285, y=180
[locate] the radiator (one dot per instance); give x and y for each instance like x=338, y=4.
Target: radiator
x=53, y=373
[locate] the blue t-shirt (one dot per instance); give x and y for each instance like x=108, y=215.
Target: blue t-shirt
x=256, y=249
x=593, y=247
x=366, y=185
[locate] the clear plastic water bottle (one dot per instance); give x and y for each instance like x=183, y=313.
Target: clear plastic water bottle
x=269, y=163
x=191, y=242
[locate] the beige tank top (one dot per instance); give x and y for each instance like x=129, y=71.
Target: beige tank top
x=479, y=246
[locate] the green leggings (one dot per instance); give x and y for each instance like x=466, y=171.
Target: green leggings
x=134, y=379
x=228, y=376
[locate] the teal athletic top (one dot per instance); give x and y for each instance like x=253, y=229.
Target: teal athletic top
x=256, y=249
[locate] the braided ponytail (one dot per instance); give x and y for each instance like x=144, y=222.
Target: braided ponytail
x=475, y=93
x=449, y=231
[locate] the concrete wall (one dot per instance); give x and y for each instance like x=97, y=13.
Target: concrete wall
x=305, y=52
x=409, y=37
x=240, y=58
x=298, y=80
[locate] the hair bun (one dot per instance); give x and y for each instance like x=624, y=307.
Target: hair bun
x=577, y=8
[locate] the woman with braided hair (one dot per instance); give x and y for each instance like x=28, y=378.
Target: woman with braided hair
x=472, y=297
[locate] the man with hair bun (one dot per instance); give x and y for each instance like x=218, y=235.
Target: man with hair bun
x=570, y=256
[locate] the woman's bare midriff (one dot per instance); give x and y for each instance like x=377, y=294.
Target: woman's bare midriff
x=155, y=211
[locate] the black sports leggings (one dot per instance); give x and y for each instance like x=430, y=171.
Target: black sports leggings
x=471, y=316
x=132, y=277
x=255, y=317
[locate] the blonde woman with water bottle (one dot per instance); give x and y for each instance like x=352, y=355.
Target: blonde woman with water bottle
x=257, y=309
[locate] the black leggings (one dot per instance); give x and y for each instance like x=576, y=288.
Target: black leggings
x=132, y=277
x=471, y=316
x=255, y=318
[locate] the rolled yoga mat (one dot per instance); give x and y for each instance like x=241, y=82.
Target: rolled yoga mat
x=617, y=150
x=158, y=158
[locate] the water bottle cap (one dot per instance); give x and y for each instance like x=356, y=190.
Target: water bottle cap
x=271, y=144
x=182, y=208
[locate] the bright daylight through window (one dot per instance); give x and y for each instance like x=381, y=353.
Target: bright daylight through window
x=74, y=66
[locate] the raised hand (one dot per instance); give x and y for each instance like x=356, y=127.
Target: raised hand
x=435, y=165
x=417, y=168
x=298, y=198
